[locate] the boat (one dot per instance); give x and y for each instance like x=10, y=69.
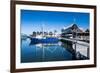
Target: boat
x=42, y=39
x=45, y=40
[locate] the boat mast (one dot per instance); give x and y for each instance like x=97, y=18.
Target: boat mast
x=42, y=30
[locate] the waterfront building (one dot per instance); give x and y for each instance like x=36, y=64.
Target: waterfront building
x=75, y=32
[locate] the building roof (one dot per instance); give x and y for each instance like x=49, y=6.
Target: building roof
x=71, y=29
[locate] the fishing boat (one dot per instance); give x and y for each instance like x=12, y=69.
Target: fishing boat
x=42, y=39
x=45, y=40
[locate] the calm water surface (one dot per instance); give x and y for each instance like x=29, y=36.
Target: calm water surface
x=44, y=52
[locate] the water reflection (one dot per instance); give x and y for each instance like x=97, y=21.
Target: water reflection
x=41, y=52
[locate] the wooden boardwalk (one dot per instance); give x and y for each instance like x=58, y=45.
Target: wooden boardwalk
x=79, y=46
x=76, y=41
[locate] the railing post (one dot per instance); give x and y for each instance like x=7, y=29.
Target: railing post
x=75, y=47
x=88, y=52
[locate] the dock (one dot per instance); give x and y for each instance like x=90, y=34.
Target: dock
x=80, y=47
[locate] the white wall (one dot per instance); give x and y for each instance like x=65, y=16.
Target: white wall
x=5, y=36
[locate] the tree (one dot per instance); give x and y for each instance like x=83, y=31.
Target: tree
x=55, y=31
x=87, y=30
x=34, y=34
x=38, y=33
x=50, y=33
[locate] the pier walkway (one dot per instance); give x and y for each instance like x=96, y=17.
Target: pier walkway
x=76, y=41
x=78, y=46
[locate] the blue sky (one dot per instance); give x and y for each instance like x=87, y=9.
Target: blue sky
x=32, y=20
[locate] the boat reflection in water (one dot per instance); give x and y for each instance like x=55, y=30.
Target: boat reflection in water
x=44, y=51
x=41, y=52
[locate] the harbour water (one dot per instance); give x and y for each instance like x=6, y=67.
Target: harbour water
x=44, y=52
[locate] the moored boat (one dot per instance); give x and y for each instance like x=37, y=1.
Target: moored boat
x=45, y=40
